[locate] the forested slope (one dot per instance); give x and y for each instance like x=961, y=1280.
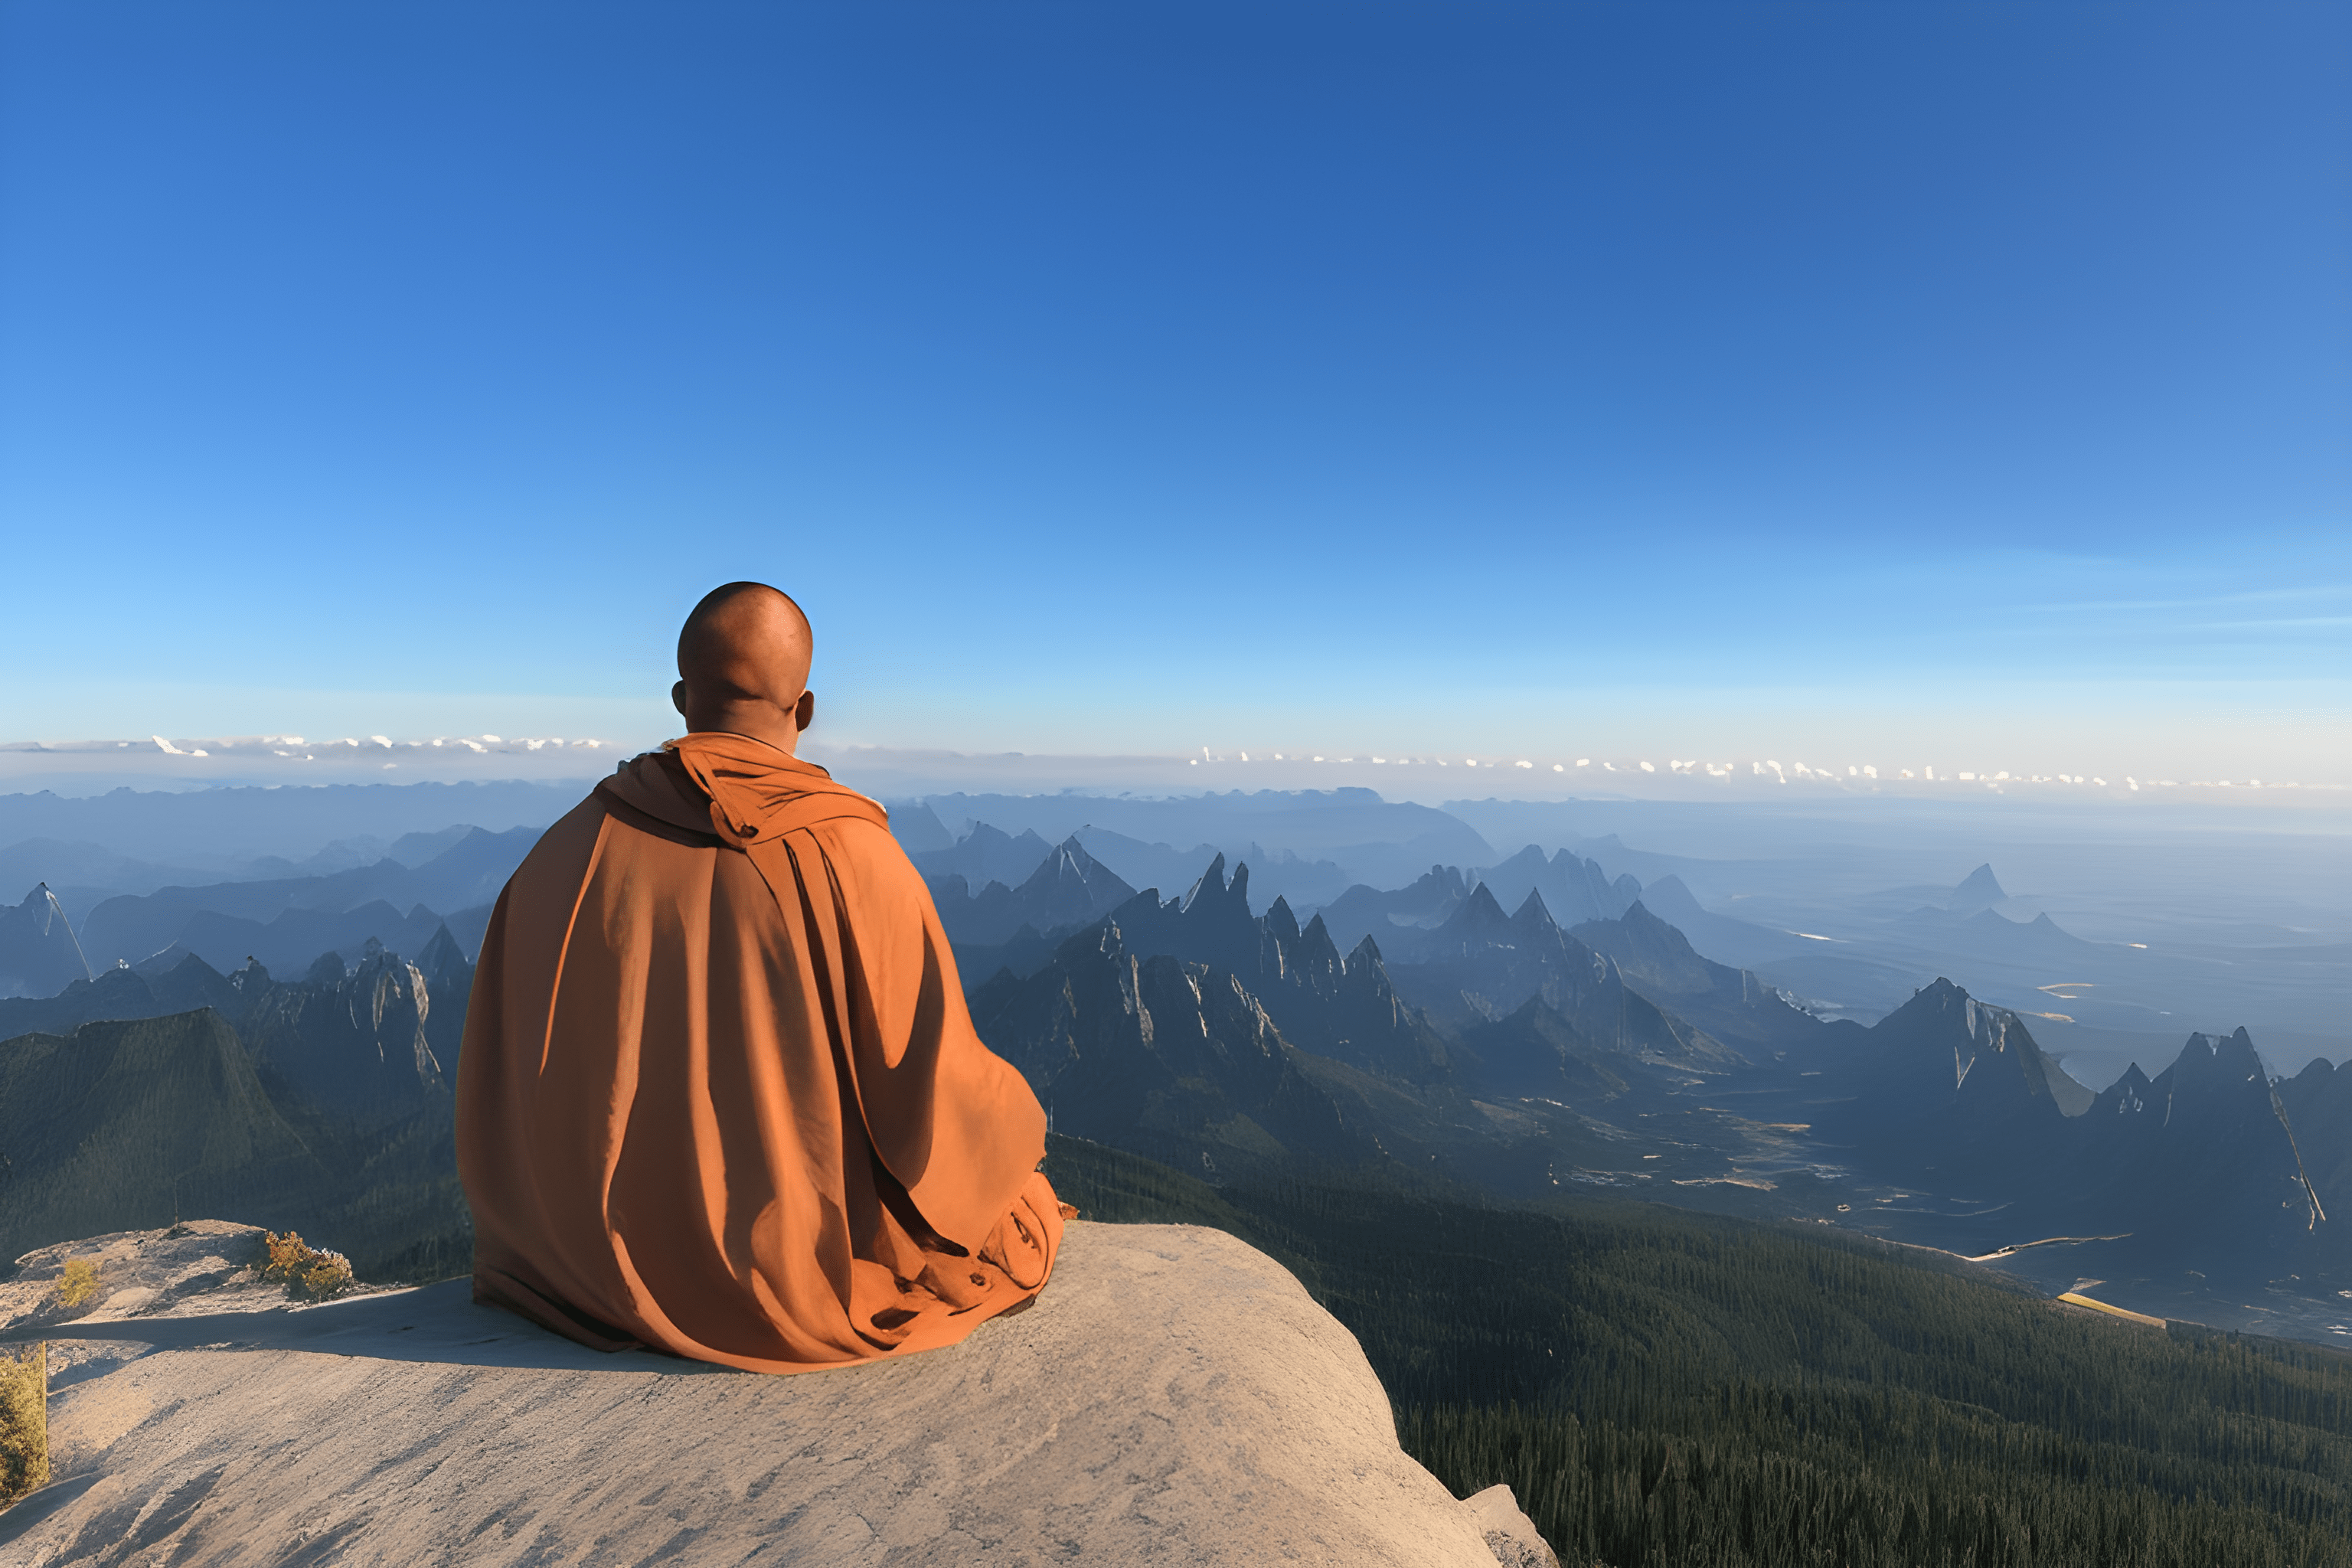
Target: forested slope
x=1664, y=1387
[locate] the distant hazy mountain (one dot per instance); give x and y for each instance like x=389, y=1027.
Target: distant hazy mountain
x=289, y=920
x=1979, y=890
x=1363, y=912
x=1278, y=872
x=38, y=954
x=1068, y=889
x=226, y=941
x=1731, y=1003
x=1995, y=938
x=1736, y=942
x=1376, y=841
x=1574, y=889
x=1482, y=964
x=65, y=865
x=917, y=827
x=117, y=993
x=411, y=849
x=985, y=854
x=237, y=823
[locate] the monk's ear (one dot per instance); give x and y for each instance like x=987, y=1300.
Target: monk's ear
x=804, y=711
x=678, y=698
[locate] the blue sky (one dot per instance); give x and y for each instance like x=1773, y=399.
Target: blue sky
x=1134, y=378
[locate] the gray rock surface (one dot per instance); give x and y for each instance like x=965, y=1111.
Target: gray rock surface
x=207, y=1266
x=1510, y=1534
x=1174, y=1397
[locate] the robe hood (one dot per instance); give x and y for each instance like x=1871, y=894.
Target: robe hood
x=742, y=791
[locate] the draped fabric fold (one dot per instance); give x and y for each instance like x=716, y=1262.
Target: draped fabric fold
x=719, y=1094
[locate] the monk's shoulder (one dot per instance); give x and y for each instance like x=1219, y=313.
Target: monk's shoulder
x=563, y=850
x=869, y=861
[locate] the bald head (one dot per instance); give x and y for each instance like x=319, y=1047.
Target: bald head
x=743, y=665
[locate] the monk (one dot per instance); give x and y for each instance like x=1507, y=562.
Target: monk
x=718, y=1094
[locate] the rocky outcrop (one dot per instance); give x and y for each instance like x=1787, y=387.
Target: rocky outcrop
x=1510, y=1534
x=1174, y=1396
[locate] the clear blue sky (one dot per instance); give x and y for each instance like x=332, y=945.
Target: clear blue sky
x=1132, y=378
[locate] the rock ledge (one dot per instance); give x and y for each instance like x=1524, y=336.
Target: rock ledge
x=1174, y=1397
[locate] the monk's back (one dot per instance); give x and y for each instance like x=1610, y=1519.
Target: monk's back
x=719, y=1093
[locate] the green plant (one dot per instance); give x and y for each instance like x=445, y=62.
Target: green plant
x=79, y=1283
x=23, y=1422
x=310, y=1274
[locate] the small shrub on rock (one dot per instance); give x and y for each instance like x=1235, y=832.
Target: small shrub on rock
x=79, y=1283
x=309, y=1274
x=24, y=1420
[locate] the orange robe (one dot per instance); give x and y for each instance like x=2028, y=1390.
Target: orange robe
x=719, y=1093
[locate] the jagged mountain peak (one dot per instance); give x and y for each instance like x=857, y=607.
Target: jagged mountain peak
x=1214, y=888
x=1068, y=864
x=39, y=953
x=1947, y=1062
x=1938, y=995
x=441, y=956
x=2219, y=1059
x=1638, y=917
x=1980, y=889
x=1533, y=915
x=1281, y=922
x=1062, y=890
x=985, y=854
x=1479, y=915
x=1315, y=942
x=1942, y=1009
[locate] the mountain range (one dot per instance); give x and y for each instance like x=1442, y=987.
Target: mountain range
x=1510, y=1031
x=286, y=921
x=1500, y=1050
x=1491, y=1044
x=323, y=1103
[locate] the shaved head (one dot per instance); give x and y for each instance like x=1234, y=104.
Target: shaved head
x=743, y=665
